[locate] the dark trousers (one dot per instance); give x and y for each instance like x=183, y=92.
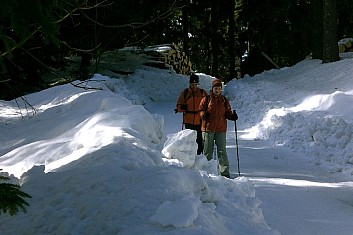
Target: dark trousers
x=199, y=141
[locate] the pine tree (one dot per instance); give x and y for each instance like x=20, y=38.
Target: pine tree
x=12, y=198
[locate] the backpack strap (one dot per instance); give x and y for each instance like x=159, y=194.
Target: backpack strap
x=207, y=101
x=202, y=91
x=224, y=101
x=185, y=94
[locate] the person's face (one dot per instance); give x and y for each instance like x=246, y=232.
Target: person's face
x=216, y=90
x=193, y=86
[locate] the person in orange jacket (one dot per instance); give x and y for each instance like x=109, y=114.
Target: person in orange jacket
x=214, y=110
x=188, y=103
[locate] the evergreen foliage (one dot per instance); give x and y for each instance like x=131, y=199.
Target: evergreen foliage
x=35, y=37
x=12, y=198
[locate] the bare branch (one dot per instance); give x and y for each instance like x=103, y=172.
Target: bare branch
x=56, y=73
x=86, y=84
x=70, y=13
x=26, y=103
x=17, y=45
x=38, y=29
x=80, y=50
x=130, y=44
x=136, y=25
x=99, y=4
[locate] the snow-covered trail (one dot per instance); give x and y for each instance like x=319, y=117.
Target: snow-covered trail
x=298, y=196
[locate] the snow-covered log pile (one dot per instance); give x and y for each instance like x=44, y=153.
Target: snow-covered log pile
x=345, y=45
x=178, y=60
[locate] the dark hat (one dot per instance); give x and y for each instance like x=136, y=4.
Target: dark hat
x=216, y=82
x=194, y=78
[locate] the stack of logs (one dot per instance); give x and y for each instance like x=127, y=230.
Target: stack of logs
x=178, y=60
x=345, y=45
x=172, y=57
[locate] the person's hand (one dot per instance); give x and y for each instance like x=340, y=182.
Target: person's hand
x=184, y=107
x=234, y=116
x=205, y=115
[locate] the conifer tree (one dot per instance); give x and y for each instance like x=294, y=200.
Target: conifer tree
x=12, y=198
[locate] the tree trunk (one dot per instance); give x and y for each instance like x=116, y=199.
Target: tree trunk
x=214, y=38
x=186, y=26
x=330, y=48
x=207, y=45
x=317, y=37
x=84, y=66
x=231, y=36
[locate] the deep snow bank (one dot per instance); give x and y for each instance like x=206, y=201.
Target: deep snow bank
x=305, y=107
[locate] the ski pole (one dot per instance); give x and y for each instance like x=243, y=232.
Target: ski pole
x=182, y=124
x=215, y=157
x=236, y=143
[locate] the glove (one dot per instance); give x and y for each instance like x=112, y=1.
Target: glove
x=205, y=115
x=184, y=107
x=234, y=116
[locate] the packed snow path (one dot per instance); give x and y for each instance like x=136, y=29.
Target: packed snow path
x=298, y=197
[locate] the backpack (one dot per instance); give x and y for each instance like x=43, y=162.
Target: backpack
x=186, y=93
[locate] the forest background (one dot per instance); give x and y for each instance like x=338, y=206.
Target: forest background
x=226, y=39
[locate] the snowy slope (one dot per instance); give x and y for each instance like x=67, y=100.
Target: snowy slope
x=306, y=107
x=94, y=162
x=114, y=161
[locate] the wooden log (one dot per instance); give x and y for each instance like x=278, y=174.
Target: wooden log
x=341, y=48
x=348, y=44
x=177, y=60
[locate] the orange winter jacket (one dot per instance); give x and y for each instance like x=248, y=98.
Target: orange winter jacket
x=219, y=110
x=191, y=99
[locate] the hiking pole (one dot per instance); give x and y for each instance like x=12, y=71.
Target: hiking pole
x=215, y=157
x=182, y=124
x=236, y=143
